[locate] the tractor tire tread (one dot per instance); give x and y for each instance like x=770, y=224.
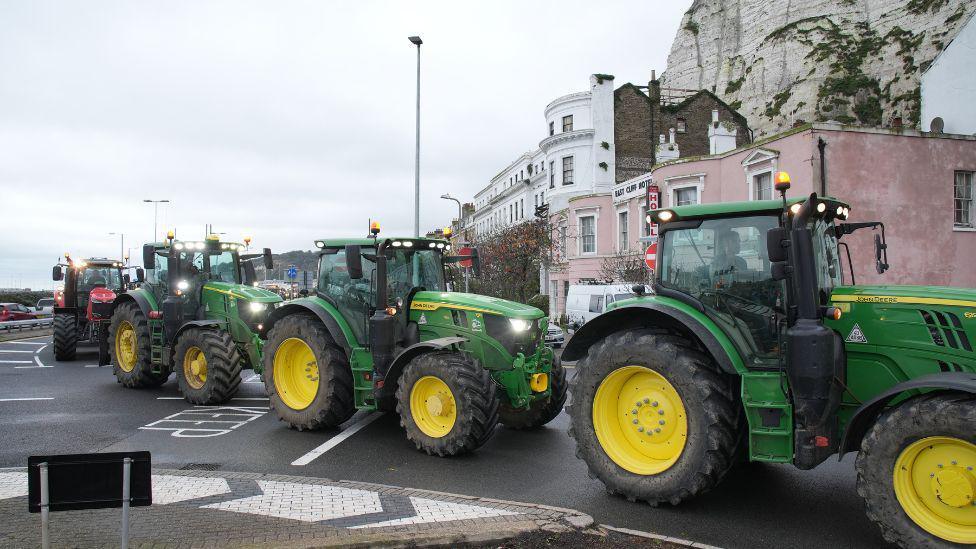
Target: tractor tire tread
x=141, y=375
x=224, y=365
x=65, y=337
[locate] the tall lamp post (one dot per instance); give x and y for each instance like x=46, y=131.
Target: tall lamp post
x=415, y=40
x=121, y=236
x=155, y=204
x=447, y=196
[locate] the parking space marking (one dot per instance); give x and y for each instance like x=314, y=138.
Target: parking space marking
x=221, y=420
x=36, y=361
x=15, y=351
x=16, y=362
x=336, y=440
x=24, y=343
x=20, y=399
x=254, y=378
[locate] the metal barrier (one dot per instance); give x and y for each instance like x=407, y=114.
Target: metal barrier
x=34, y=323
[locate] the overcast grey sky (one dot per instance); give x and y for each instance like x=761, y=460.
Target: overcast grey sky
x=285, y=120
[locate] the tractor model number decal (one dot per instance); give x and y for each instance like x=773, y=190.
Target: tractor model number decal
x=856, y=335
x=970, y=315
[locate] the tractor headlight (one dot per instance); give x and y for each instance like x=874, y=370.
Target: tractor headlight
x=182, y=285
x=520, y=325
x=257, y=307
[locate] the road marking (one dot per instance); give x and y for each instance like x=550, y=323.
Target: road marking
x=235, y=398
x=17, y=362
x=336, y=440
x=659, y=537
x=92, y=366
x=254, y=378
x=36, y=360
x=41, y=349
x=14, y=351
x=186, y=424
x=24, y=343
x=20, y=399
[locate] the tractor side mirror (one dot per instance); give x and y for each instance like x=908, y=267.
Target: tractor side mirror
x=354, y=261
x=777, y=241
x=250, y=274
x=57, y=273
x=880, y=254
x=126, y=279
x=140, y=275
x=268, y=259
x=303, y=292
x=148, y=256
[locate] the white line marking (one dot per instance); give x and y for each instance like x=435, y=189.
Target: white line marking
x=40, y=364
x=91, y=366
x=251, y=398
x=169, y=398
x=14, y=351
x=254, y=378
x=20, y=399
x=41, y=349
x=16, y=362
x=336, y=440
x=649, y=535
x=24, y=343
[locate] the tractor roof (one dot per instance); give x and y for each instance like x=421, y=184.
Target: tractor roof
x=727, y=209
x=340, y=242
x=186, y=243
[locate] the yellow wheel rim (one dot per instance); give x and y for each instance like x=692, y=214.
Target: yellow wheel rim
x=296, y=373
x=125, y=346
x=433, y=407
x=935, y=483
x=640, y=420
x=195, y=367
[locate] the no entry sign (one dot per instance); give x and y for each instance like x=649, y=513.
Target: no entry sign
x=650, y=256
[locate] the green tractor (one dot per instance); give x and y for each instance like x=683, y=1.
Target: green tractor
x=383, y=332
x=197, y=313
x=752, y=347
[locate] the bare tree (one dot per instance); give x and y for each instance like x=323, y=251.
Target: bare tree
x=625, y=268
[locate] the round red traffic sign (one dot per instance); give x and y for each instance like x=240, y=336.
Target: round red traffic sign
x=650, y=256
x=466, y=263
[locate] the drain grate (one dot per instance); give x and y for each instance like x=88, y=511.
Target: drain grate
x=200, y=467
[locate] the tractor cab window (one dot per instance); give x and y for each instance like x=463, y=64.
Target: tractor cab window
x=223, y=268
x=723, y=264
x=826, y=258
x=408, y=269
x=159, y=276
x=106, y=277
x=352, y=297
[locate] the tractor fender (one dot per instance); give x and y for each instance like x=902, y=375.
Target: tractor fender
x=650, y=314
x=865, y=416
x=135, y=297
x=322, y=313
x=215, y=324
x=411, y=352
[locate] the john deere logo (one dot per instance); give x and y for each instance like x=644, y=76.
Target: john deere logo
x=856, y=335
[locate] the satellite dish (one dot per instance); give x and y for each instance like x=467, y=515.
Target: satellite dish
x=937, y=125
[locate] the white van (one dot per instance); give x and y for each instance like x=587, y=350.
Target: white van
x=585, y=301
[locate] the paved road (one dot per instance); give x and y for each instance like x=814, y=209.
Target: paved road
x=757, y=505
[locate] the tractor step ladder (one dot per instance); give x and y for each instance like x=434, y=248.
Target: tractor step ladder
x=156, y=342
x=362, y=379
x=770, y=417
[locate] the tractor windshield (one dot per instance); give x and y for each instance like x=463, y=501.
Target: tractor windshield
x=723, y=264
x=108, y=277
x=826, y=258
x=409, y=269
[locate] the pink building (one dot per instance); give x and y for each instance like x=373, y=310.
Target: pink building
x=919, y=184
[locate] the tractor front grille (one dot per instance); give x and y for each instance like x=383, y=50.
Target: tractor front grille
x=946, y=329
x=499, y=328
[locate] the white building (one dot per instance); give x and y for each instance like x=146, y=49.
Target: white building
x=575, y=157
x=949, y=85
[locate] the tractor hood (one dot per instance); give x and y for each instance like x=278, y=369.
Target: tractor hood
x=243, y=291
x=921, y=295
x=429, y=301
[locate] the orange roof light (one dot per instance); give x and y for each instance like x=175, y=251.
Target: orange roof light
x=170, y=235
x=782, y=180
x=247, y=240
x=448, y=231
x=374, y=227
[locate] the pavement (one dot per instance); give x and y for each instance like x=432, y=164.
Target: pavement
x=77, y=407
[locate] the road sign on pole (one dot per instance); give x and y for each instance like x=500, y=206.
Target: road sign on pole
x=650, y=256
x=292, y=272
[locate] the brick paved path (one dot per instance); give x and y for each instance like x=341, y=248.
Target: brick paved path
x=222, y=509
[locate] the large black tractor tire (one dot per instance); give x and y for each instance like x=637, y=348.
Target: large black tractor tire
x=467, y=396
x=540, y=412
x=664, y=374
x=137, y=372
x=65, y=336
x=221, y=366
x=931, y=438
x=309, y=381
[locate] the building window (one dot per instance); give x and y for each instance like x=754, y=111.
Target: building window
x=552, y=128
x=562, y=242
x=964, y=200
x=587, y=229
x=552, y=174
x=568, y=123
x=567, y=170
x=762, y=186
x=521, y=174
x=623, y=241
x=681, y=125
x=685, y=196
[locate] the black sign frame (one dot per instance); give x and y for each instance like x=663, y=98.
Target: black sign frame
x=89, y=481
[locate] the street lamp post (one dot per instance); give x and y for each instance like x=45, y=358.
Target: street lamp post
x=415, y=40
x=446, y=196
x=122, y=253
x=155, y=204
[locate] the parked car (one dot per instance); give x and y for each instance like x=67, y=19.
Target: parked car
x=586, y=301
x=15, y=311
x=555, y=336
x=45, y=307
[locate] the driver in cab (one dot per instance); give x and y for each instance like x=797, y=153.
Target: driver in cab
x=726, y=263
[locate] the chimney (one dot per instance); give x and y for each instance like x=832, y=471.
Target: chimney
x=669, y=150
x=653, y=75
x=720, y=138
x=671, y=133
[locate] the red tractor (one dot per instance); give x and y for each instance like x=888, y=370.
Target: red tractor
x=83, y=307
